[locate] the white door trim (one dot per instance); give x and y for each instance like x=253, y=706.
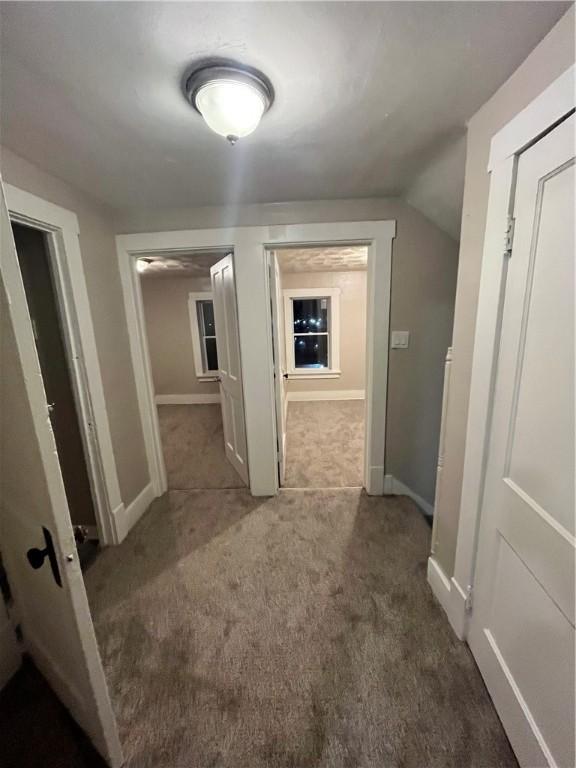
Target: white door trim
x=62, y=229
x=249, y=245
x=553, y=104
x=378, y=237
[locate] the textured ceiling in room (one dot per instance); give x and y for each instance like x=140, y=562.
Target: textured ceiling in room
x=366, y=94
x=187, y=264
x=329, y=259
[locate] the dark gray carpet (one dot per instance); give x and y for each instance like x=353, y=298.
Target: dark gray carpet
x=325, y=444
x=292, y=632
x=193, y=447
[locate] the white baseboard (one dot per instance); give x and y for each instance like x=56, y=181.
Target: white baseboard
x=450, y=596
x=334, y=394
x=395, y=487
x=125, y=518
x=10, y=652
x=376, y=481
x=207, y=399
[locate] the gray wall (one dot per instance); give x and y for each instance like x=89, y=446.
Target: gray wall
x=423, y=283
x=107, y=307
x=546, y=62
x=352, y=327
x=169, y=334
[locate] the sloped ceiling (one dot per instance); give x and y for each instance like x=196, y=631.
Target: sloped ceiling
x=366, y=95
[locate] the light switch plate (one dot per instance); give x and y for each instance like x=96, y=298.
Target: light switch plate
x=400, y=339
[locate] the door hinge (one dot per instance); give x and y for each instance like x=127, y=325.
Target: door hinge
x=469, y=599
x=509, y=238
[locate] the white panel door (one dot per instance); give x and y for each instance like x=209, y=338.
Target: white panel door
x=228, y=344
x=522, y=626
x=279, y=360
x=38, y=545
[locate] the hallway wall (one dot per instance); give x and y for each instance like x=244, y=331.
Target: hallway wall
x=105, y=294
x=546, y=62
x=423, y=284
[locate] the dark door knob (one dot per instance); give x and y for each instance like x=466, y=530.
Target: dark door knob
x=37, y=556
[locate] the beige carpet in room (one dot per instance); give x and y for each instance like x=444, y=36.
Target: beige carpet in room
x=325, y=444
x=290, y=632
x=193, y=447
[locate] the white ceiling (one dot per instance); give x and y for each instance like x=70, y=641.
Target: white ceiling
x=366, y=93
x=333, y=259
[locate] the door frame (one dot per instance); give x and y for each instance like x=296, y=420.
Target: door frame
x=377, y=236
x=552, y=106
x=249, y=246
x=105, y=737
x=62, y=233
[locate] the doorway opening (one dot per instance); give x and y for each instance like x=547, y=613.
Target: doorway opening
x=191, y=335
x=319, y=321
x=60, y=385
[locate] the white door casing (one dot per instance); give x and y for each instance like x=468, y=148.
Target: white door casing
x=56, y=622
x=522, y=625
x=230, y=369
x=60, y=227
x=279, y=360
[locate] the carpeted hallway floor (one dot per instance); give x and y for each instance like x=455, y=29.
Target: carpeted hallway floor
x=291, y=632
x=193, y=446
x=325, y=444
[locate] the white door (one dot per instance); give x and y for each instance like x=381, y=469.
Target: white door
x=522, y=626
x=228, y=344
x=277, y=306
x=38, y=546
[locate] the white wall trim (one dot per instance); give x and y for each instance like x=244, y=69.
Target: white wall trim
x=526, y=127
x=378, y=236
x=395, y=487
x=125, y=518
x=333, y=331
x=193, y=299
x=554, y=103
x=187, y=399
x=61, y=227
x=334, y=394
x=450, y=597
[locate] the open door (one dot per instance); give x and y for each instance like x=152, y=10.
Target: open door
x=277, y=305
x=38, y=547
x=230, y=370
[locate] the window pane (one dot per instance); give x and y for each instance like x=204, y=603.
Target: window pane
x=311, y=315
x=206, y=317
x=211, y=355
x=311, y=351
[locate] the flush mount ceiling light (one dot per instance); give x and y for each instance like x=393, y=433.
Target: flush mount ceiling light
x=230, y=98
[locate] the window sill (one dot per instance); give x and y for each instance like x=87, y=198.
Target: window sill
x=207, y=378
x=332, y=374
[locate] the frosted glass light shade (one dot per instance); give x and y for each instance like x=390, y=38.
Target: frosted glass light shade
x=230, y=108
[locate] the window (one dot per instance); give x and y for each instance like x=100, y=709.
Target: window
x=312, y=331
x=201, y=308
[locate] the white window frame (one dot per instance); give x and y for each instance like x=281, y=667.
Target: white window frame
x=333, y=332
x=197, y=338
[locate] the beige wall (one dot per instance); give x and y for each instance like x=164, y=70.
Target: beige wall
x=423, y=284
x=106, y=303
x=548, y=60
x=170, y=337
x=352, y=327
